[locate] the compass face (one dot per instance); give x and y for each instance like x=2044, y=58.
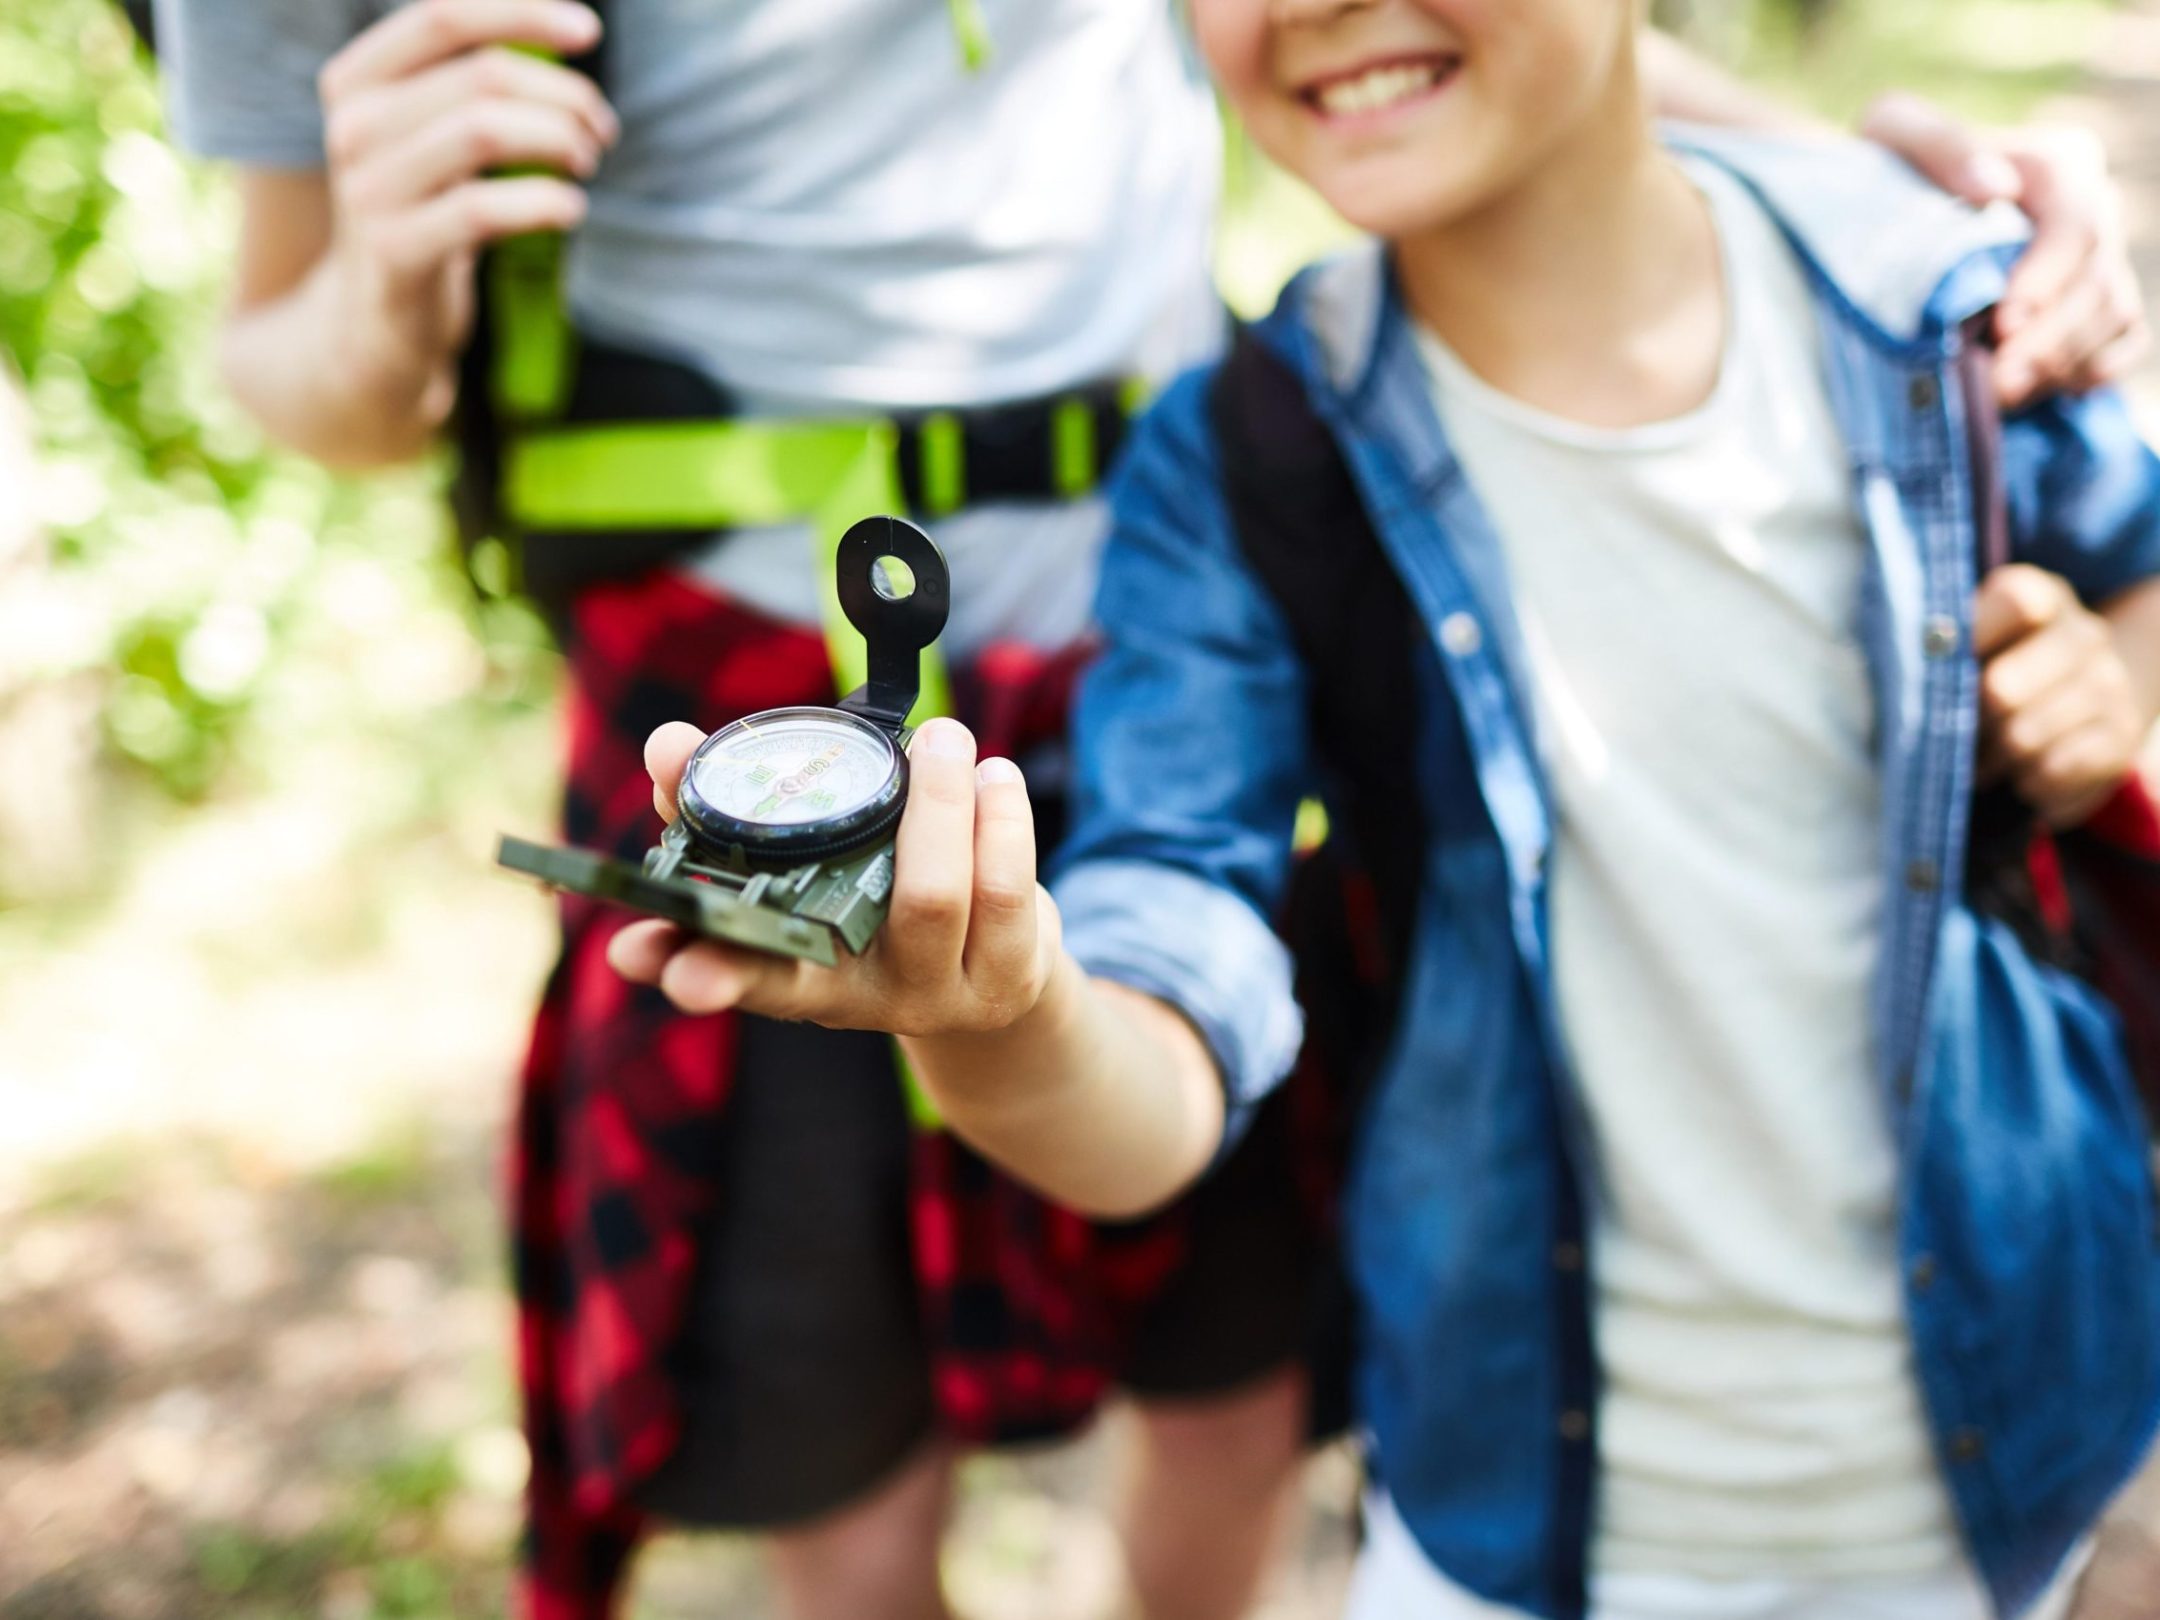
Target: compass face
x=792, y=768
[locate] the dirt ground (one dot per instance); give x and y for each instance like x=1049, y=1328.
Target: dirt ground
x=253, y=1330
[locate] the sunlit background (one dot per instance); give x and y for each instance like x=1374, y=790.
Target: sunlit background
x=261, y=994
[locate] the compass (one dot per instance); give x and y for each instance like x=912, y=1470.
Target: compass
x=783, y=838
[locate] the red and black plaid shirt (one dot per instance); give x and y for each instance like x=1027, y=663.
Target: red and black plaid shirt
x=616, y=1139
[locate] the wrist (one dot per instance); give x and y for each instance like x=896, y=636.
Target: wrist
x=997, y=1071
x=395, y=376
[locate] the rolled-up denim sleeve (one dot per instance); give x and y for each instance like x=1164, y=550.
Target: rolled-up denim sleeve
x=1188, y=942
x=2084, y=493
x=1191, y=756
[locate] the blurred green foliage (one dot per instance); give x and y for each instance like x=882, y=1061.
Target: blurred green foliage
x=1991, y=60
x=173, y=534
x=213, y=599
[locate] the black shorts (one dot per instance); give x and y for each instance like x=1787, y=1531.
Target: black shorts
x=803, y=1364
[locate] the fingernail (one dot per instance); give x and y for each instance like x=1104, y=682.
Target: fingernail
x=943, y=739
x=997, y=768
x=581, y=22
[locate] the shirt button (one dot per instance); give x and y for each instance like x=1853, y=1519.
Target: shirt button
x=1923, y=393
x=1923, y=877
x=1923, y=1272
x=1460, y=635
x=1940, y=638
x=1567, y=1257
x=1574, y=1426
x=1966, y=1445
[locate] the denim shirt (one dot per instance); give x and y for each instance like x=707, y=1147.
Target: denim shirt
x=2027, y=1230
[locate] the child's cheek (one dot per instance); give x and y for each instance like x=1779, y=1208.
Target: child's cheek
x=1233, y=38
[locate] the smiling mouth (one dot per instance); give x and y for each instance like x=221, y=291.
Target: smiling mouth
x=1379, y=87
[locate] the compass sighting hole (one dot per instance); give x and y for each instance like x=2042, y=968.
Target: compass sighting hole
x=892, y=579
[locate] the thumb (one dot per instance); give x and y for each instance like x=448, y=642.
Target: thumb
x=1948, y=151
x=667, y=754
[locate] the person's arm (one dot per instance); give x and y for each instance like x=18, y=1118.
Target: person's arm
x=1100, y=1096
x=353, y=295
x=1684, y=84
x=2073, y=316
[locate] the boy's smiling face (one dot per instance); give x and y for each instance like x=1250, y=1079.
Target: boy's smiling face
x=1409, y=115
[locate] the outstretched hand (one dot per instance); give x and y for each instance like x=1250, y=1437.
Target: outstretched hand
x=968, y=943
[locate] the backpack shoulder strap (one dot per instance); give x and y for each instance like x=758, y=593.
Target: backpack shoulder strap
x=1304, y=531
x=1983, y=443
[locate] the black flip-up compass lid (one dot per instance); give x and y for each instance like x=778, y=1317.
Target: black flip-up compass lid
x=895, y=627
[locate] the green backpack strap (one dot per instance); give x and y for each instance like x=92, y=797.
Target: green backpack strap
x=529, y=378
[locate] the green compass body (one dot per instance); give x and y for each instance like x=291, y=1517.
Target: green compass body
x=783, y=837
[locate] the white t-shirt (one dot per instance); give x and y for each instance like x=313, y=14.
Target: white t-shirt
x=818, y=205
x=1689, y=594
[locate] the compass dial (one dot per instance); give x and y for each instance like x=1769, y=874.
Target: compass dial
x=778, y=780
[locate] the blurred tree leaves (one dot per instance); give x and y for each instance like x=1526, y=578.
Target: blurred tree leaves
x=152, y=489
x=208, y=609
x=1988, y=59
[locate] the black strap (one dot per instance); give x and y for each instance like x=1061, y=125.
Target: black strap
x=1008, y=452
x=1983, y=439
x=1998, y=876
x=1305, y=533
x=143, y=19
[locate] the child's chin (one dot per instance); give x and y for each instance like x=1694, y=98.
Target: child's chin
x=1398, y=211
x=1401, y=193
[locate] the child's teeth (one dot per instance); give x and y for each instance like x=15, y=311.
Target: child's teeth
x=1382, y=87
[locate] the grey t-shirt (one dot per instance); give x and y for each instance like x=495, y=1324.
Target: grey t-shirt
x=818, y=204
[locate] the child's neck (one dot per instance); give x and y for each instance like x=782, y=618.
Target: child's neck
x=1591, y=289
